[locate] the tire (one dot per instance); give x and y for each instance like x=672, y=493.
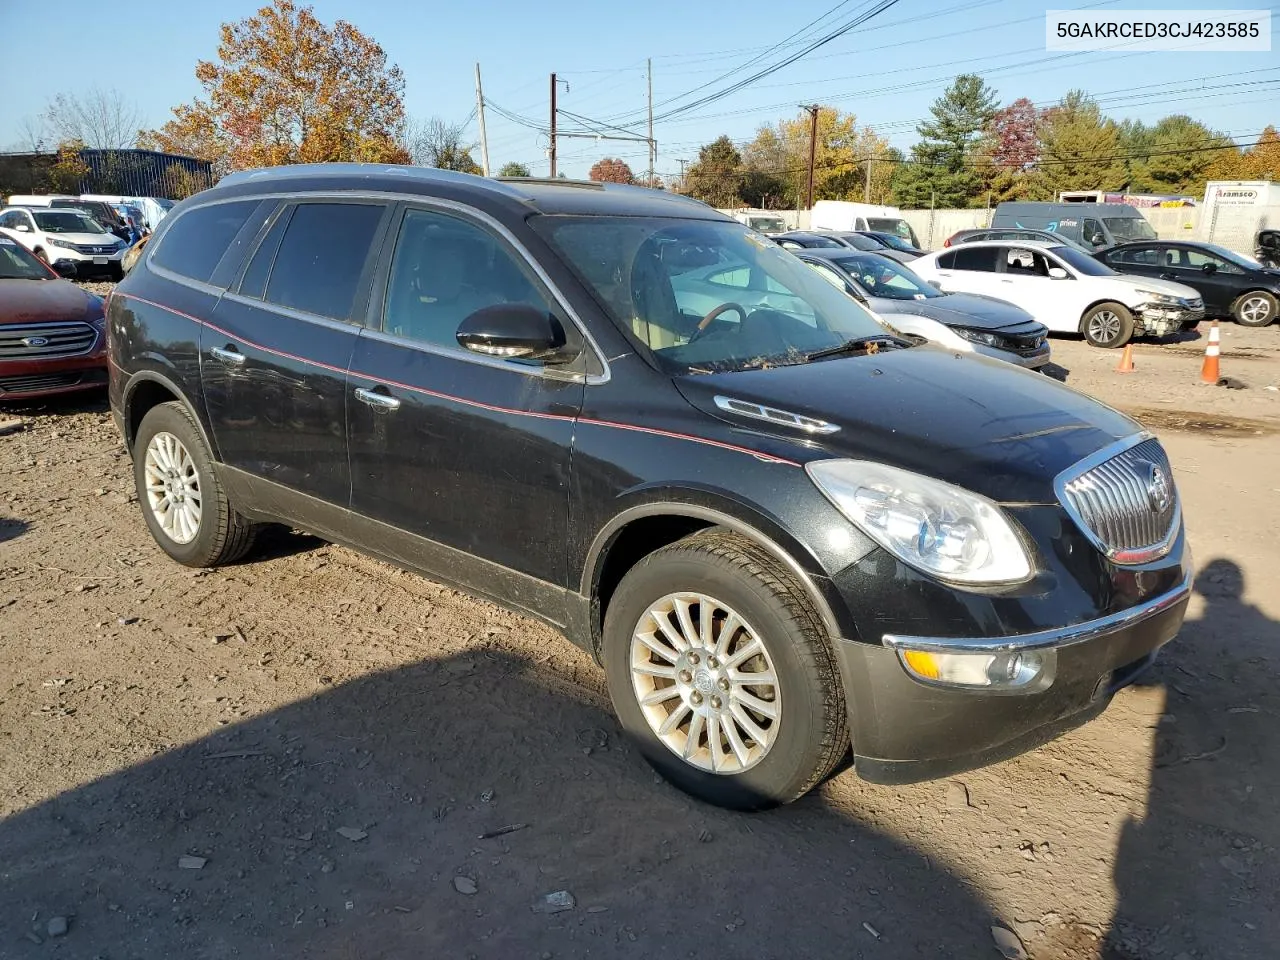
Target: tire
x=1256, y=308
x=1107, y=325
x=791, y=752
x=218, y=534
x=116, y=273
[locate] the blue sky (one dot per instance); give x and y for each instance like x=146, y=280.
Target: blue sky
x=887, y=72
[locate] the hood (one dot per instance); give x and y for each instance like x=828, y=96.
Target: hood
x=38, y=301
x=958, y=310
x=981, y=424
x=88, y=239
x=1161, y=286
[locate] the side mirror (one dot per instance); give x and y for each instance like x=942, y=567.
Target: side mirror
x=936, y=284
x=1210, y=268
x=514, y=330
x=1057, y=273
x=1098, y=240
x=65, y=268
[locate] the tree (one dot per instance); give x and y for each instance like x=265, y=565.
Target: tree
x=286, y=88
x=1012, y=131
x=942, y=170
x=716, y=176
x=101, y=119
x=1170, y=157
x=776, y=162
x=68, y=170
x=514, y=169
x=1258, y=162
x=437, y=143
x=1079, y=148
x=611, y=170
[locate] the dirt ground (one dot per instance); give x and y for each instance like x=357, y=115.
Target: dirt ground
x=340, y=746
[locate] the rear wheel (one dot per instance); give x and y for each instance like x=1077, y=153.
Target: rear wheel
x=1107, y=325
x=1257, y=308
x=180, y=494
x=722, y=673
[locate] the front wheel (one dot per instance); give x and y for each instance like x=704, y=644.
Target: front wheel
x=1107, y=325
x=1257, y=308
x=722, y=673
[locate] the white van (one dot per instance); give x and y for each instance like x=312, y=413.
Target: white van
x=844, y=215
x=37, y=199
x=153, y=209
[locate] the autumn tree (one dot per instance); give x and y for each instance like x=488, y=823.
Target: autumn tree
x=287, y=88
x=611, y=170
x=776, y=162
x=716, y=176
x=1080, y=149
x=100, y=119
x=1260, y=161
x=514, y=169
x=69, y=170
x=438, y=143
x=943, y=169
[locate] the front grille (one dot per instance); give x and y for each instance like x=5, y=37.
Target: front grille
x=93, y=250
x=31, y=384
x=1126, y=504
x=60, y=340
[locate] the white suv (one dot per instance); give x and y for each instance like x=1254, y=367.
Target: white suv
x=1065, y=289
x=54, y=233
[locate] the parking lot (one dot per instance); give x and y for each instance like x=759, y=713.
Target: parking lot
x=364, y=764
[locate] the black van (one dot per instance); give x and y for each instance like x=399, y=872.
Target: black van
x=786, y=533
x=1094, y=225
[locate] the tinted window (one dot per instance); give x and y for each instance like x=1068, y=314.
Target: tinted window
x=973, y=258
x=1136, y=256
x=196, y=241
x=947, y=261
x=254, y=281
x=445, y=269
x=321, y=257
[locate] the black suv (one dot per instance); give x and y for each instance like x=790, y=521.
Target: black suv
x=781, y=529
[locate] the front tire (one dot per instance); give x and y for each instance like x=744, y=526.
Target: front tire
x=1257, y=308
x=722, y=673
x=1107, y=325
x=180, y=494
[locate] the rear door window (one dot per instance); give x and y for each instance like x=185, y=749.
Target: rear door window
x=196, y=241
x=973, y=258
x=322, y=257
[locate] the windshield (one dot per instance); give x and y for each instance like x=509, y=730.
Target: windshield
x=67, y=221
x=17, y=264
x=896, y=243
x=1081, y=262
x=859, y=242
x=766, y=224
x=881, y=277
x=705, y=295
x=1239, y=259
x=892, y=225
x=1130, y=228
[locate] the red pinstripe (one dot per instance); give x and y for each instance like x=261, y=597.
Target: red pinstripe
x=635, y=428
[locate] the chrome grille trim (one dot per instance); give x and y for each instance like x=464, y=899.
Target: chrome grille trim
x=785, y=418
x=1108, y=496
x=63, y=340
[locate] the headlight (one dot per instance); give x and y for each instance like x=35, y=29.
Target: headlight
x=1164, y=298
x=55, y=242
x=979, y=336
x=933, y=526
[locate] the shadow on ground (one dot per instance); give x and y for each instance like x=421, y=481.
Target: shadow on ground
x=414, y=766
x=11, y=528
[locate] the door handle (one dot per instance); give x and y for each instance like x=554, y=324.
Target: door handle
x=379, y=401
x=227, y=355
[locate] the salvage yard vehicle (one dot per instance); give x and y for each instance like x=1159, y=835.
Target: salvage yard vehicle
x=1048, y=236
x=52, y=333
x=1092, y=225
x=1066, y=290
x=783, y=531
x=1231, y=285
x=54, y=234
x=958, y=321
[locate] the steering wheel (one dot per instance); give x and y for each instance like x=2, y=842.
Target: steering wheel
x=723, y=308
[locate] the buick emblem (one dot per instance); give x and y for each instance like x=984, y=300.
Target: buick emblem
x=35, y=341
x=1158, y=491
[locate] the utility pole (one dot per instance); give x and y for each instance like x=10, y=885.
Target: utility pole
x=866, y=196
x=653, y=146
x=682, y=163
x=813, y=148
x=484, y=140
x=553, y=126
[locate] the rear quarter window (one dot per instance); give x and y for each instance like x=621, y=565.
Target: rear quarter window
x=973, y=258
x=197, y=240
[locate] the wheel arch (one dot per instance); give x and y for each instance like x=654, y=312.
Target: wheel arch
x=148, y=389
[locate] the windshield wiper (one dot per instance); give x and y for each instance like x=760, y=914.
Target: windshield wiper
x=857, y=345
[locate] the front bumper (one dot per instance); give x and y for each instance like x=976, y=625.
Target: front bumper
x=905, y=730
x=1161, y=320
x=1029, y=359
x=29, y=379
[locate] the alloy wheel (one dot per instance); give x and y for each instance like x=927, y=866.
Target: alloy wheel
x=705, y=683
x=1104, y=326
x=1255, y=310
x=173, y=487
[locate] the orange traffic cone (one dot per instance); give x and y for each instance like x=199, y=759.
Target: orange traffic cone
x=1209, y=372
x=1126, y=360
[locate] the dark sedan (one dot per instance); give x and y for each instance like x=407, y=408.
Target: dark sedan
x=895, y=243
x=808, y=240
x=1231, y=285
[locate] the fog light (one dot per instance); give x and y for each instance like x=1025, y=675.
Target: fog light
x=1003, y=671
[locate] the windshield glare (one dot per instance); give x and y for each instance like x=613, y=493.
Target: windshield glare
x=1130, y=228
x=661, y=279
x=17, y=264
x=1082, y=262
x=67, y=221
x=767, y=224
x=1239, y=259
x=899, y=228
x=881, y=277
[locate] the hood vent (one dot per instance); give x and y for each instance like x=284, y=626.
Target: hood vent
x=783, y=418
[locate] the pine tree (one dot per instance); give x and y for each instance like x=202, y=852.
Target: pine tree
x=942, y=171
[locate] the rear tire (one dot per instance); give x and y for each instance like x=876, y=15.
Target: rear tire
x=1107, y=325
x=768, y=689
x=1257, y=308
x=180, y=494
